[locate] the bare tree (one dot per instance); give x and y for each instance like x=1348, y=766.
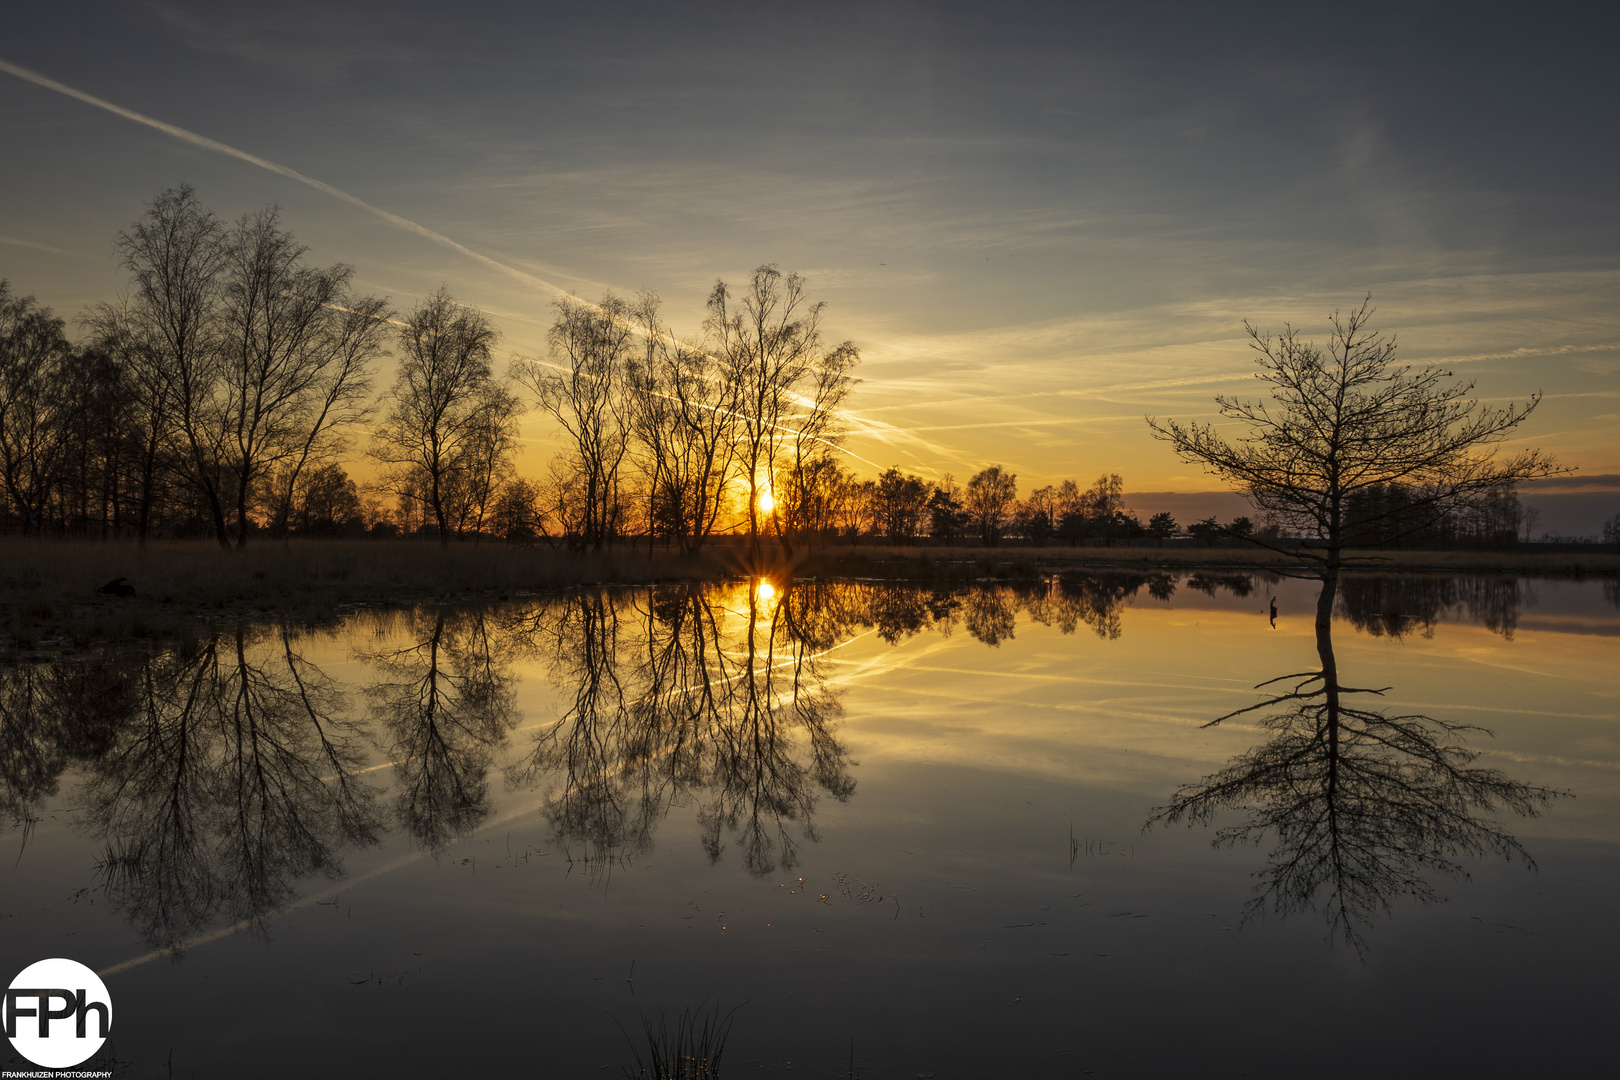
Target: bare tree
x=1348, y=421
x=584, y=391
x=946, y=514
x=814, y=495
x=684, y=417
x=486, y=461
x=1100, y=510
x=145, y=389
x=516, y=514
x=339, y=395
x=297, y=355
x=434, y=411
x=788, y=390
x=816, y=432
x=34, y=355
x=1038, y=515
x=176, y=255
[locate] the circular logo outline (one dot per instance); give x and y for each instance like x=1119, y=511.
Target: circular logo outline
x=57, y=1013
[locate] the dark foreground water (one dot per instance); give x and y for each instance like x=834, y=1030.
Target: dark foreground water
x=903, y=829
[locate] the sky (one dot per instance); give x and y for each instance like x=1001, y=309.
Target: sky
x=1038, y=222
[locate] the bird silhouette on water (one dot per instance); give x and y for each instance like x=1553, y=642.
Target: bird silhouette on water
x=1273, y=612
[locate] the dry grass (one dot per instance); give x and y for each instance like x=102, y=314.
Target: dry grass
x=48, y=589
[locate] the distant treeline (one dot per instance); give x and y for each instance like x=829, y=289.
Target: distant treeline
x=228, y=392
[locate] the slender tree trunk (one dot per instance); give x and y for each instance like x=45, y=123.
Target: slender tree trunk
x=241, y=511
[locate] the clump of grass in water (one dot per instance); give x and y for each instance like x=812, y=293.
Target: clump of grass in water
x=690, y=1049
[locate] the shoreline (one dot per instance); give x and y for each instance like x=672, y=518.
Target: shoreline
x=49, y=597
x=923, y=563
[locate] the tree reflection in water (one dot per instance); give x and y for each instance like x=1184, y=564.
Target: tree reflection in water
x=1363, y=807
x=230, y=774
x=52, y=715
x=691, y=693
x=221, y=773
x=724, y=698
x=1397, y=606
x=445, y=703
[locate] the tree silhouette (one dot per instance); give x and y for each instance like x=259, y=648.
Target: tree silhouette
x=1348, y=422
x=437, y=417
x=992, y=494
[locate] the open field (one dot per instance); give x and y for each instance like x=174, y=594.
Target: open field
x=49, y=598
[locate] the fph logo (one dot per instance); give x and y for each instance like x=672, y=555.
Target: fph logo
x=57, y=1013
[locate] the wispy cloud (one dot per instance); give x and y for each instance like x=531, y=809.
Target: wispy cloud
x=32, y=245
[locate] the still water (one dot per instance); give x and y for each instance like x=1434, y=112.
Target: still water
x=957, y=832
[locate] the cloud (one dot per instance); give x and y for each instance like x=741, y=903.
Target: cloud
x=1575, y=482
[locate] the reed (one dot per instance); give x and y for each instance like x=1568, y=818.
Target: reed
x=689, y=1048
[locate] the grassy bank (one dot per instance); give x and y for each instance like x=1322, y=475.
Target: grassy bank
x=48, y=589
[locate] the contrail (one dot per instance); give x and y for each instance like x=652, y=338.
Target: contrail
x=873, y=428
x=281, y=170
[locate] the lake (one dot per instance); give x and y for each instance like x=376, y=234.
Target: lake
x=884, y=829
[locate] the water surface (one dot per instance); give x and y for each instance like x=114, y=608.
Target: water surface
x=968, y=832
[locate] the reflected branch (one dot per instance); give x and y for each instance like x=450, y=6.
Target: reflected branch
x=700, y=695
x=446, y=703
x=1360, y=807
x=230, y=778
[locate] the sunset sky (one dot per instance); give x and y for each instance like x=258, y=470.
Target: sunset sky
x=1039, y=222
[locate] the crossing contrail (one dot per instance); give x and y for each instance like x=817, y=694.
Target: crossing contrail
x=281, y=170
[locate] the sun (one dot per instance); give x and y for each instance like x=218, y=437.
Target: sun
x=767, y=501
x=765, y=589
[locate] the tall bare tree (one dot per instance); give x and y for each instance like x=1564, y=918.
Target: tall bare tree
x=584, y=390
x=486, y=461
x=176, y=254
x=297, y=356
x=684, y=417
x=787, y=388
x=435, y=410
